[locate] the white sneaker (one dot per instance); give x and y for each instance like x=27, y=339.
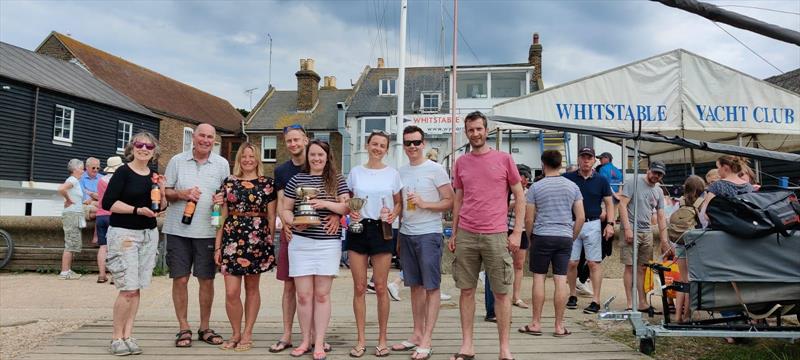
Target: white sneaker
x=370, y=288
x=584, y=290
x=444, y=297
x=394, y=292
x=69, y=275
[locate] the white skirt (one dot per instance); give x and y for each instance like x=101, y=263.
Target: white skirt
x=314, y=257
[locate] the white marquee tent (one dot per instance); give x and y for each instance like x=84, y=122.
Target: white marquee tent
x=677, y=93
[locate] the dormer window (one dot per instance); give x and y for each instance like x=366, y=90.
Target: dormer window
x=431, y=102
x=388, y=87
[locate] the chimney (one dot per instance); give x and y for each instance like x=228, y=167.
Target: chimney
x=307, y=85
x=328, y=83
x=535, y=60
x=380, y=63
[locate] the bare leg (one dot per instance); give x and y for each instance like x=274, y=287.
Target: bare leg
x=572, y=277
x=519, y=263
x=627, y=280
x=101, y=260
x=66, y=261
x=206, y=300
x=560, y=301
x=682, y=300
x=233, y=305
x=419, y=309
x=134, y=308
x=252, y=302
x=432, y=303
x=502, y=308
x=537, y=289
x=640, y=287
x=122, y=312
x=180, y=299
x=596, y=274
x=322, y=309
x=305, y=308
x=466, y=307
x=358, y=267
x=289, y=307
x=380, y=275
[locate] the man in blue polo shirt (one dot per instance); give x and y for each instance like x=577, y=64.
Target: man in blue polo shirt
x=596, y=191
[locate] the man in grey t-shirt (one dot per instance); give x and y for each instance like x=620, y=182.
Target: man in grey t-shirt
x=647, y=199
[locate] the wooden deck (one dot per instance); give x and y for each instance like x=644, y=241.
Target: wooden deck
x=155, y=336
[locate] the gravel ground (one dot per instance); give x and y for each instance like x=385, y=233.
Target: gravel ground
x=18, y=339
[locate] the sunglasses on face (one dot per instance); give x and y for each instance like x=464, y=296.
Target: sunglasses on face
x=143, y=145
x=294, y=127
x=412, y=142
x=95, y=168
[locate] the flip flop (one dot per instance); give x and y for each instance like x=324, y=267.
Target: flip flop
x=242, y=347
x=422, y=351
x=358, y=351
x=382, y=351
x=404, y=346
x=298, y=352
x=564, y=334
x=527, y=330
x=520, y=304
x=458, y=356
x=279, y=346
x=321, y=353
x=229, y=345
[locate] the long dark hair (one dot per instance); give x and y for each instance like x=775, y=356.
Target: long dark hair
x=330, y=173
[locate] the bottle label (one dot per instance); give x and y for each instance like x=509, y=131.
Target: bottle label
x=189, y=210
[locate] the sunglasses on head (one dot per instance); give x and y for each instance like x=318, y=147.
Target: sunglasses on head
x=294, y=127
x=142, y=145
x=412, y=142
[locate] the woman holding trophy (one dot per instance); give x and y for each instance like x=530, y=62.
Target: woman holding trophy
x=371, y=234
x=243, y=247
x=313, y=253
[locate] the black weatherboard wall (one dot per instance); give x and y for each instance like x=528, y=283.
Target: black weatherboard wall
x=94, y=131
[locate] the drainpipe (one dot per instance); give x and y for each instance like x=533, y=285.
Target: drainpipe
x=342, y=127
x=33, y=133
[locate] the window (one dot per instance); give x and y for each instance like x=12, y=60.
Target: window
x=472, y=86
x=324, y=136
x=387, y=87
x=187, y=138
x=124, y=132
x=585, y=141
x=64, y=119
x=269, y=148
x=508, y=84
x=370, y=124
x=430, y=102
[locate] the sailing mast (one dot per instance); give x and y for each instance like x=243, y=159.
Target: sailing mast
x=401, y=85
x=453, y=96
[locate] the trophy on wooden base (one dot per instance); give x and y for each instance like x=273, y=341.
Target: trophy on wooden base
x=305, y=213
x=356, y=204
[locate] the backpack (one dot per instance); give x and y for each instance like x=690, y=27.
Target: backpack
x=683, y=220
x=755, y=214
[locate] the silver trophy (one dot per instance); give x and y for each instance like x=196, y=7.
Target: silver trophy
x=356, y=204
x=305, y=213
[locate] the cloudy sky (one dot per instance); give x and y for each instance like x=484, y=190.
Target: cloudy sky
x=221, y=46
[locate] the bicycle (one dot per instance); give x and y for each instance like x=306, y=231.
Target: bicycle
x=6, y=248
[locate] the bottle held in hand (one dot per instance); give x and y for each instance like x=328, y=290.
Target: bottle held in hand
x=188, y=212
x=215, y=215
x=386, y=227
x=155, y=198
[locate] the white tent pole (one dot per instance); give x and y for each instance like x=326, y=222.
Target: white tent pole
x=634, y=288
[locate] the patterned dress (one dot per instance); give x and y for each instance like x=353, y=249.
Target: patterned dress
x=245, y=249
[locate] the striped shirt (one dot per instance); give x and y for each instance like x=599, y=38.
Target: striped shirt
x=305, y=179
x=553, y=197
x=183, y=172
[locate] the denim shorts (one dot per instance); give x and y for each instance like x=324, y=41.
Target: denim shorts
x=131, y=257
x=421, y=257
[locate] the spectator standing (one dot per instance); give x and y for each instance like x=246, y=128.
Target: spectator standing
x=647, y=199
x=193, y=176
x=72, y=218
x=596, y=193
x=427, y=194
x=313, y=252
x=380, y=185
x=132, y=235
x=89, y=181
x=693, y=190
x=552, y=203
x=607, y=170
x=482, y=179
x=104, y=217
x=243, y=247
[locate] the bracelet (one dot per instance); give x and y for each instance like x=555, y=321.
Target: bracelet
x=217, y=249
x=134, y=210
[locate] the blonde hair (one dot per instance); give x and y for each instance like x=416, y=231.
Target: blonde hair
x=145, y=135
x=237, y=167
x=432, y=155
x=712, y=176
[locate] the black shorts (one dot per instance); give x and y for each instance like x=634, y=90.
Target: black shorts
x=524, y=243
x=185, y=255
x=549, y=249
x=370, y=241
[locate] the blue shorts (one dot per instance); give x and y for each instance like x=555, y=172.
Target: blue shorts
x=421, y=259
x=101, y=224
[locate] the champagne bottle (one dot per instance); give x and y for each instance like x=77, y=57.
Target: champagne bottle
x=155, y=198
x=386, y=227
x=188, y=212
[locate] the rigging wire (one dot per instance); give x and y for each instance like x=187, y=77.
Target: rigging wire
x=747, y=47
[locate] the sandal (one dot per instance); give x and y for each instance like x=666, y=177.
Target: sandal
x=404, y=346
x=382, y=351
x=210, y=339
x=181, y=337
x=241, y=347
x=279, y=346
x=459, y=356
x=229, y=345
x=421, y=351
x=298, y=352
x=321, y=353
x=520, y=304
x=358, y=351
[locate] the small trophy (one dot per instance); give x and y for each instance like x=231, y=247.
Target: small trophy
x=305, y=214
x=356, y=204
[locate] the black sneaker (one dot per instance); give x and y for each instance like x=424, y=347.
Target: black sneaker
x=593, y=308
x=572, y=303
x=490, y=319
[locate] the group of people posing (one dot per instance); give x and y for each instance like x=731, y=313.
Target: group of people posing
x=564, y=215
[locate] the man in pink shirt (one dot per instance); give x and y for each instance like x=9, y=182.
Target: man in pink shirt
x=482, y=179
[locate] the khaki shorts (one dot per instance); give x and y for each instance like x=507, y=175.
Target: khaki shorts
x=72, y=231
x=131, y=257
x=491, y=250
x=645, y=252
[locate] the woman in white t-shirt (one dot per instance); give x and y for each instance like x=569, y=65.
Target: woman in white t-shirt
x=380, y=185
x=72, y=218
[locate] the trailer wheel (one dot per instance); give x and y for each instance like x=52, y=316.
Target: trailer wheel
x=647, y=346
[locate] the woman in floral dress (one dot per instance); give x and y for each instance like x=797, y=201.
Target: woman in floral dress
x=243, y=247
